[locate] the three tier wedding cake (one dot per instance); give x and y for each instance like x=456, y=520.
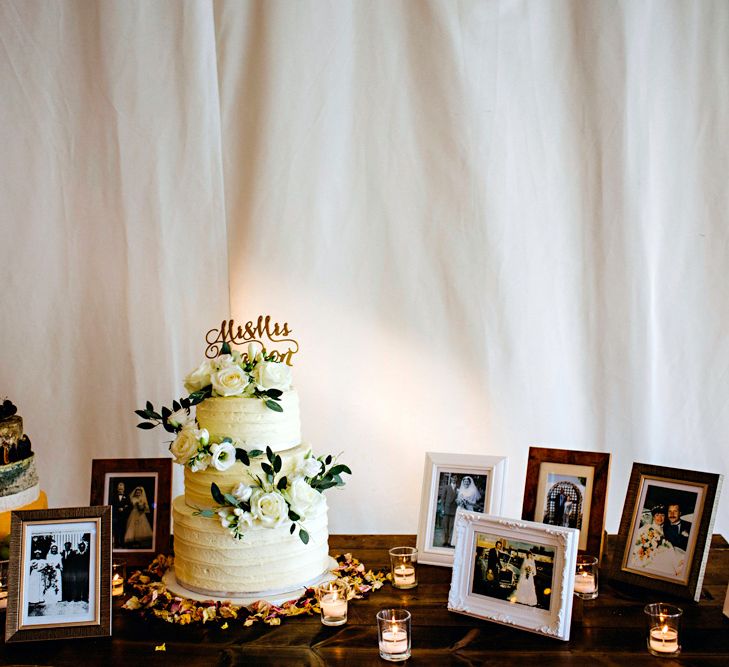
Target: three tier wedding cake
x=253, y=518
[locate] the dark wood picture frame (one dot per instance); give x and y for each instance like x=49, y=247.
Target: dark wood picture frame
x=101, y=469
x=710, y=483
x=599, y=461
x=102, y=579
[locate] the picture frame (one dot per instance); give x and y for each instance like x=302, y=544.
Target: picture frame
x=56, y=592
x=726, y=603
x=665, y=529
x=558, y=478
x=516, y=573
x=445, y=477
x=139, y=492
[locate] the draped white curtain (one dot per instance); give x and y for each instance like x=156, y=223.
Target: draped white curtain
x=490, y=224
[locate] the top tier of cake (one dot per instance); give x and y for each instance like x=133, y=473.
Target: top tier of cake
x=249, y=422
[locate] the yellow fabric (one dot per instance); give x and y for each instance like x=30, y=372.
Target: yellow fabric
x=40, y=504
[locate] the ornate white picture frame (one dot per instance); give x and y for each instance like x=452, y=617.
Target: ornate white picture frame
x=517, y=573
x=451, y=483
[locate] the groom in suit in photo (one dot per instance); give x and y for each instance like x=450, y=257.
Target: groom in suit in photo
x=120, y=508
x=449, y=511
x=676, y=530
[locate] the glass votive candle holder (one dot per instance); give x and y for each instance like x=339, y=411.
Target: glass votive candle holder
x=393, y=632
x=332, y=597
x=664, y=621
x=118, y=577
x=402, y=564
x=586, y=577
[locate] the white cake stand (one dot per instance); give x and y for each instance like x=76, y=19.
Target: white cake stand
x=275, y=597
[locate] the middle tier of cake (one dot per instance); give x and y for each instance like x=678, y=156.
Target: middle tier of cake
x=197, y=484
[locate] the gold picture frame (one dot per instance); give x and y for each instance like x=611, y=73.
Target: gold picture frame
x=60, y=574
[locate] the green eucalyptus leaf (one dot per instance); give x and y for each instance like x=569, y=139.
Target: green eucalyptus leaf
x=242, y=456
x=293, y=515
x=149, y=406
x=338, y=469
x=267, y=468
x=146, y=426
x=232, y=500
x=282, y=483
x=328, y=460
x=269, y=454
x=292, y=529
x=224, y=348
x=141, y=413
x=304, y=536
x=272, y=405
x=277, y=463
x=255, y=453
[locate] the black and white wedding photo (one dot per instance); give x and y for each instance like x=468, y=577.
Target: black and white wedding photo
x=59, y=573
x=133, y=499
x=514, y=571
x=456, y=490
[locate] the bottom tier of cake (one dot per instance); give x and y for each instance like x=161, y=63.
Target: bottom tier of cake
x=208, y=559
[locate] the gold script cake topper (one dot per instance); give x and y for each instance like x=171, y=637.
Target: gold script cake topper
x=253, y=332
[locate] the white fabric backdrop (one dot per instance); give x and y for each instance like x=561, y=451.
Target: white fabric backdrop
x=491, y=224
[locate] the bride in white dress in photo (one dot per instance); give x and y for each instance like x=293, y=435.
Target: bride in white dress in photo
x=525, y=592
x=468, y=495
x=652, y=552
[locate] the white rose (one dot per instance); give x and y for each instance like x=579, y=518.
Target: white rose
x=199, y=378
x=269, y=508
x=230, y=381
x=310, y=467
x=222, y=361
x=304, y=500
x=223, y=455
x=272, y=375
x=179, y=418
x=200, y=463
x=242, y=492
x=186, y=444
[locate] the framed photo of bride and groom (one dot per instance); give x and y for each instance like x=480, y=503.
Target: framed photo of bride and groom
x=665, y=529
x=517, y=573
x=139, y=493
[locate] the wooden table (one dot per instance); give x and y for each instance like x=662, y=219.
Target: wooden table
x=607, y=631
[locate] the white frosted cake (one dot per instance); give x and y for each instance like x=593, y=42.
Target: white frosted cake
x=253, y=518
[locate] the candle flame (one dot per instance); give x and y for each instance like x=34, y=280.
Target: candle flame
x=664, y=629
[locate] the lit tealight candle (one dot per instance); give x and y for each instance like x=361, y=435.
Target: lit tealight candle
x=333, y=605
x=117, y=585
x=118, y=574
x=585, y=583
x=664, y=640
x=394, y=641
x=404, y=575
